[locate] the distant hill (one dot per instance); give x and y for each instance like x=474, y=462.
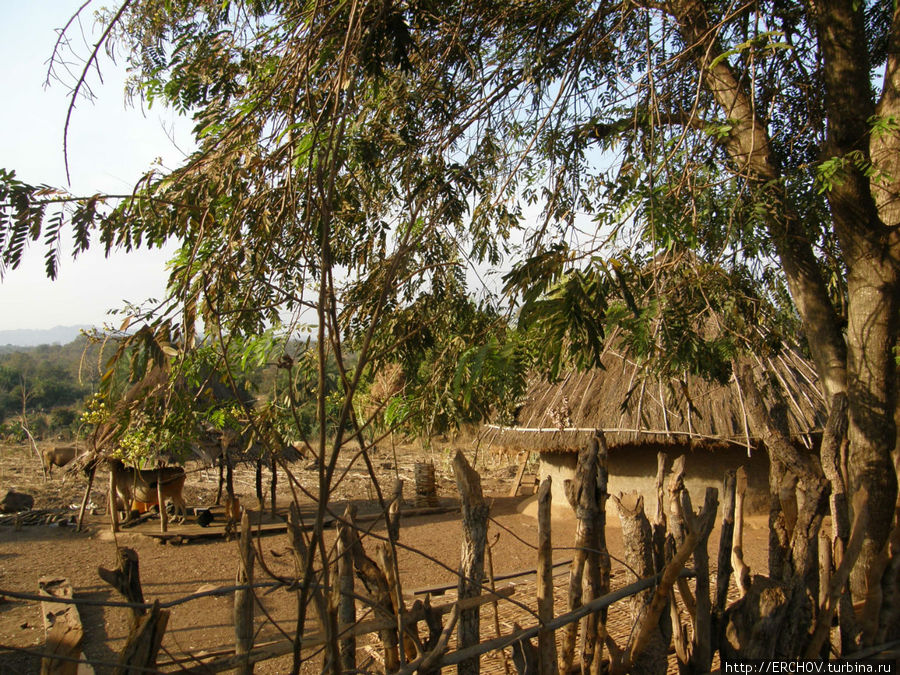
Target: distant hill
x=26, y=337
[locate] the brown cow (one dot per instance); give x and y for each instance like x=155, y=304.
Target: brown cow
x=59, y=456
x=140, y=485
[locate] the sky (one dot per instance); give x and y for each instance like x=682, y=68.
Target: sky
x=110, y=146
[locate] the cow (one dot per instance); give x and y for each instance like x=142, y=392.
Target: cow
x=141, y=485
x=59, y=456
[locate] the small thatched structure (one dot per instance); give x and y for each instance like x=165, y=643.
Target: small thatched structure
x=642, y=415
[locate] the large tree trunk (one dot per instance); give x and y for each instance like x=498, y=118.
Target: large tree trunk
x=749, y=149
x=871, y=337
x=864, y=366
x=872, y=254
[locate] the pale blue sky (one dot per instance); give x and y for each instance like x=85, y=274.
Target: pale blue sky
x=110, y=146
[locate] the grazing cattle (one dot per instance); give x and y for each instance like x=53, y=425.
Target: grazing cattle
x=141, y=485
x=59, y=456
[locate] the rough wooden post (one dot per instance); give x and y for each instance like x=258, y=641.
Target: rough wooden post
x=126, y=579
x=646, y=653
x=273, y=485
x=495, y=606
x=113, y=511
x=142, y=648
x=598, y=558
x=659, y=516
x=741, y=569
x=163, y=514
x=221, y=478
x=637, y=537
x=837, y=589
x=379, y=592
x=346, y=602
x=62, y=627
x=587, y=495
x=474, y=520
x=243, y=599
x=260, y=495
x=723, y=561
x=546, y=638
x=87, y=494
x=701, y=652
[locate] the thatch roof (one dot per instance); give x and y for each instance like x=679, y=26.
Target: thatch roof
x=634, y=409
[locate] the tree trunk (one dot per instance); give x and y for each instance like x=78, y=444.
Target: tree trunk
x=871, y=337
x=871, y=252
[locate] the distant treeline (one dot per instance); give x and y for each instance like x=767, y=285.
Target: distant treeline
x=55, y=381
x=52, y=381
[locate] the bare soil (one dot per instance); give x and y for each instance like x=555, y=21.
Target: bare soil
x=428, y=557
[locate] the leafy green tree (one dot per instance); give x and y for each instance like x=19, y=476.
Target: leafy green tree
x=727, y=149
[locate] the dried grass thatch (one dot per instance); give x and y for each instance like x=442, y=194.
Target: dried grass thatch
x=634, y=410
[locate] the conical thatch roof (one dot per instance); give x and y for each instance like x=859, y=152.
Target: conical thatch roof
x=633, y=409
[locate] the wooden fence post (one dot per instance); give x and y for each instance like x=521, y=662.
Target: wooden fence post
x=723, y=564
x=143, y=644
x=243, y=599
x=62, y=627
x=546, y=638
x=146, y=630
x=273, y=485
x=113, y=511
x=346, y=602
x=637, y=537
x=587, y=495
x=163, y=514
x=87, y=495
x=126, y=579
x=474, y=520
x=741, y=569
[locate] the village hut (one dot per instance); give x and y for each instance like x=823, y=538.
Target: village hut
x=642, y=415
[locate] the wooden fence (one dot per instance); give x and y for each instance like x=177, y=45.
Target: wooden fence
x=664, y=607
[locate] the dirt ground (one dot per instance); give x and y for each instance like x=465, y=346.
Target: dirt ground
x=429, y=554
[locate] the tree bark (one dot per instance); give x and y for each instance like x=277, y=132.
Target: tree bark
x=871, y=251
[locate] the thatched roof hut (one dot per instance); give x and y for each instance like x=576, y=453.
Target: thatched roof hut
x=642, y=415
